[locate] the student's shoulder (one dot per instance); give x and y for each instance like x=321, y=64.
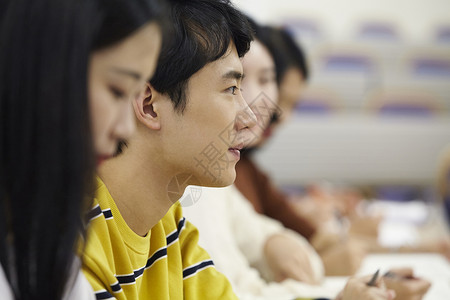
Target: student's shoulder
x=102, y=197
x=102, y=206
x=100, y=222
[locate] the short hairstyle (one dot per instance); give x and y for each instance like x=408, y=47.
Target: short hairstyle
x=202, y=32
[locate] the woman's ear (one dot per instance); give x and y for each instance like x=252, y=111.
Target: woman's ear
x=145, y=109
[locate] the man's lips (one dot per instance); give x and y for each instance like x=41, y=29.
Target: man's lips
x=237, y=147
x=236, y=151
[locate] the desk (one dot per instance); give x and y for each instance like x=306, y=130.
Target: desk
x=433, y=267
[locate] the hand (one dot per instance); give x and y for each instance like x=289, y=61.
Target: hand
x=343, y=259
x=405, y=285
x=288, y=258
x=357, y=289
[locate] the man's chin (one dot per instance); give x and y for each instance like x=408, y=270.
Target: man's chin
x=223, y=180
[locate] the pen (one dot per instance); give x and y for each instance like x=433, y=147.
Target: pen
x=373, y=281
x=393, y=275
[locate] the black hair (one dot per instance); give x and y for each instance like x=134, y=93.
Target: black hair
x=287, y=53
x=46, y=152
x=202, y=32
x=262, y=33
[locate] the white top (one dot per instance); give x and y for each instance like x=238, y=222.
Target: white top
x=81, y=289
x=5, y=290
x=234, y=235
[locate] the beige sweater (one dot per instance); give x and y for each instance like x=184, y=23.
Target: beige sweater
x=235, y=235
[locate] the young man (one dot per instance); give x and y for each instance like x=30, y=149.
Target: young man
x=191, y=123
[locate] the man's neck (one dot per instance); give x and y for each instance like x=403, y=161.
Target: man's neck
x=139, y=189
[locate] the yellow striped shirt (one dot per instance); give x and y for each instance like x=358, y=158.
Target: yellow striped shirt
x=165, y=264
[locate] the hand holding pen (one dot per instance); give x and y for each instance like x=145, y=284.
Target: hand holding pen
x=405, y=284
x=368, y=288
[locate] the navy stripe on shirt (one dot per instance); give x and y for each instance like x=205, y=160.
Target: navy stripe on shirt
x=103, y=295
x=116, y=287
x=126, y=279
x=131, y=278
x=197, y=267
x=161, y=253
x=175, y=235
x=107, y=213
x=93, y=213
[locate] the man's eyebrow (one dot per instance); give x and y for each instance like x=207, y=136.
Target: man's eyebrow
x=233, y=75
x=133, y=74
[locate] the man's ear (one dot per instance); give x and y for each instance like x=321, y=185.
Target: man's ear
x=145, y=109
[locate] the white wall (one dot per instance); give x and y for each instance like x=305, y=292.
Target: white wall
x=356, y=149
x=417, y=18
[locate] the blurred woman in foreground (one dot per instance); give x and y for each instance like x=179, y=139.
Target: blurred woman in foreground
x=68, y=70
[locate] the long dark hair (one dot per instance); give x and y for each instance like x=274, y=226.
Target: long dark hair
x=46, y=153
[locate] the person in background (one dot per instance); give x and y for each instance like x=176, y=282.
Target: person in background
x=291, y=74
x=340, y=257
x=326, y=214
x=68, y=71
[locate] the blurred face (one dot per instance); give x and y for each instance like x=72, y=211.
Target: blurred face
x=117, y=74
x=205, y=140
x=291, y=87
x=259, y=88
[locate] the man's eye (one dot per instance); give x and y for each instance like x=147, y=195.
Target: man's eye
x=233, y=90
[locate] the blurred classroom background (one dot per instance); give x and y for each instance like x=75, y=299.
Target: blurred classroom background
x=376, y=110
